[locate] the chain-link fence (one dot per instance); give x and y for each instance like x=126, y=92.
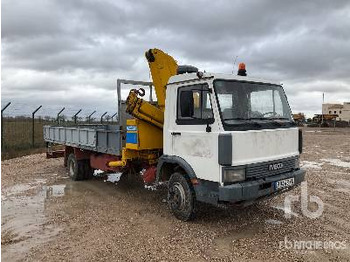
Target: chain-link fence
x=23, y=134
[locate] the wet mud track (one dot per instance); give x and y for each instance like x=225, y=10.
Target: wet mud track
x=47, y=217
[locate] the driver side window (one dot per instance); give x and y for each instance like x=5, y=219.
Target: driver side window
x=194, y=105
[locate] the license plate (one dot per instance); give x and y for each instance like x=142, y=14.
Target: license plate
x=284, y=183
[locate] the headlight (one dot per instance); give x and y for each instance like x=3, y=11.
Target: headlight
x=297, y=163
x=231, y=175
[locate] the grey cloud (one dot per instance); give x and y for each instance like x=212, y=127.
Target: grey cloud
x=30, y=18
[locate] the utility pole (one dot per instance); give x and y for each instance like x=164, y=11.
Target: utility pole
x=322, y=109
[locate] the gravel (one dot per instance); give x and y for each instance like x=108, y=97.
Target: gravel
x=47, y=217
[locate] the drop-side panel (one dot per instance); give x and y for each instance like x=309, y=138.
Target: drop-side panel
x=108, y=141
x=103, y=139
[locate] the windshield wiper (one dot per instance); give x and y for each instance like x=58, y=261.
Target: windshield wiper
x=270, y=119
x=246, y=120
x=280, y=118
x=236, y=118
x=258, y=118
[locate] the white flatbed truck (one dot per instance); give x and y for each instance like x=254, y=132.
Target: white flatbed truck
x=225, y=139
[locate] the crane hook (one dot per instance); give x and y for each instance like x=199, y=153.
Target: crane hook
x=141, y=92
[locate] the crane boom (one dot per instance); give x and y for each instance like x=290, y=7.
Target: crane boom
x=144, y=137
x=162, y=67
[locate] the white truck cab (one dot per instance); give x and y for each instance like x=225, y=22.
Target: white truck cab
x=233, y=135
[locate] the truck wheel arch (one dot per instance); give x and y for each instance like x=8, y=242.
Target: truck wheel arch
x=167, y=165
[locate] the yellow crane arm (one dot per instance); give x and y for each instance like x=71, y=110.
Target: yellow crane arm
x=143, y=110
x=162, y=67
x=148, y=128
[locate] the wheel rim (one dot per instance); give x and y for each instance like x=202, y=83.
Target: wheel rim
x=177, y=196
x=71, y=168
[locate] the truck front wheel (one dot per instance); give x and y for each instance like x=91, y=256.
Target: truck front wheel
x=76, y=168
x=181, y=197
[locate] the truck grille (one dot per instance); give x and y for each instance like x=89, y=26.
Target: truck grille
x=270, y=168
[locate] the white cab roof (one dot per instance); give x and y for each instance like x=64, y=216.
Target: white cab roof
x=193, y=76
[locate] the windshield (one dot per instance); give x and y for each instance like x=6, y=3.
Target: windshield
x=252, y=105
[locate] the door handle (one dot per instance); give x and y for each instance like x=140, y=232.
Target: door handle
x=176, y=133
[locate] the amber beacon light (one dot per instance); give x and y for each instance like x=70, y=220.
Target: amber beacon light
x=241, y=70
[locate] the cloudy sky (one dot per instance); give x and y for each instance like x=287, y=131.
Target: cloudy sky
x=70, y=53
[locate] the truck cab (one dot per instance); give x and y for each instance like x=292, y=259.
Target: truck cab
x=234, y=138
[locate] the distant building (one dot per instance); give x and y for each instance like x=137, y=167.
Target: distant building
x=343, y=111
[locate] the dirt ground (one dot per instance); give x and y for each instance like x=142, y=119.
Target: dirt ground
x=47, y=217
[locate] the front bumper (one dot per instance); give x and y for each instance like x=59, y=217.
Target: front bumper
x=263, y=187
x=246, y=191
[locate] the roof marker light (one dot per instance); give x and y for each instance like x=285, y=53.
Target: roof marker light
x=241, y=70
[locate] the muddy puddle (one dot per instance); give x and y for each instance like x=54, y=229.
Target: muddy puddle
x=24, y=223
x=24, y=212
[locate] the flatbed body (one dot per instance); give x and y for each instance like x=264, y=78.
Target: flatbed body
x=96, y=138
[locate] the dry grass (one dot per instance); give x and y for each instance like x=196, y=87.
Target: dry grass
x=17, y=137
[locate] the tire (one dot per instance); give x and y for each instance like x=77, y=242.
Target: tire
x=88, y=170
x=181, y=197
x=76, y=168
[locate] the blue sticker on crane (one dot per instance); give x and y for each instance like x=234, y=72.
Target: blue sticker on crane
x=131, y=138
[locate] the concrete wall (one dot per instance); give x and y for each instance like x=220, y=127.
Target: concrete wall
x=343, y=110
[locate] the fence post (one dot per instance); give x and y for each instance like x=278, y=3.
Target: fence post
x=2, y=124
x=103, y=116
x=33, y=124
x=114, y=116
x=89, y=117
x=75, y=116
x=58, y=115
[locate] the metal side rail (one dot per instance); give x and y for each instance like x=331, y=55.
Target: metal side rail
x=99, y=138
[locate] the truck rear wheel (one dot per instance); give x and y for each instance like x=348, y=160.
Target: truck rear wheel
x=76, y=168
x=89, y=171
x=181, y=197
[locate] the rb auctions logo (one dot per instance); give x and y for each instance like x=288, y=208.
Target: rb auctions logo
x=304, y=204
